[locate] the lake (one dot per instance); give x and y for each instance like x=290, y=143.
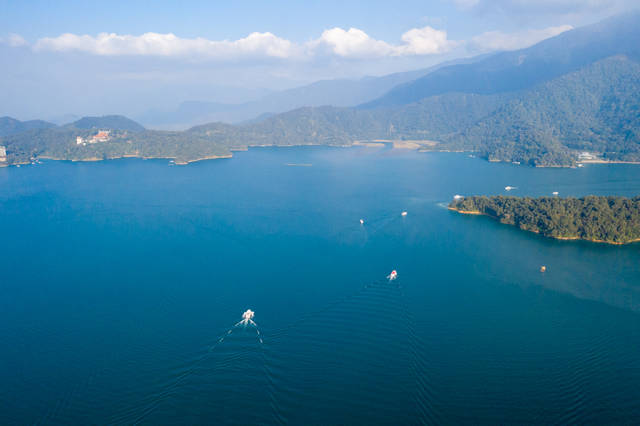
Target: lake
x=122, y=283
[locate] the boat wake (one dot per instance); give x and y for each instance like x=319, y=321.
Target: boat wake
x=234, y=350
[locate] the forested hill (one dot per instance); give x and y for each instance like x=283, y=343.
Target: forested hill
x=614, y=220
x=113, y=122
x=11, y=126
x=525, y=68
x=595, y=109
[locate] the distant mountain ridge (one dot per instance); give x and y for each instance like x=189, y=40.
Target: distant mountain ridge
x=524, y=68
x=11, y=126
x=595, y=109
x=337, y=93
x=113, y=122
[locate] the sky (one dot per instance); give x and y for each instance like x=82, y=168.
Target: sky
x=71, y=57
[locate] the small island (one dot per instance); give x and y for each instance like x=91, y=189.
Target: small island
x=612, y=220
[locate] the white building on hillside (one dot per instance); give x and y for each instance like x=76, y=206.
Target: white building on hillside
x=101, y=136
x=3, y=154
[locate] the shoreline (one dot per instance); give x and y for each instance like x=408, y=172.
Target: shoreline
x=607, y=162
x=479, y=213
x=141, y=157
x=175, y=159
x=414, y=145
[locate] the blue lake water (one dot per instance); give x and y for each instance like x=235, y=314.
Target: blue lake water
x=121, y=282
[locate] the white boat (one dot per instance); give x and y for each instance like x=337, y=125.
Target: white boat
x=404, y=213
x=555, y=192
x=393, y=275
x=361, y=221
x=509, y=188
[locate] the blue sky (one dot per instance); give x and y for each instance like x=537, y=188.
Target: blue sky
x=217, y=20
x=135, y=54
x=299, y=20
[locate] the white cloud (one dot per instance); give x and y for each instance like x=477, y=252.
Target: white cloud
x=14, y=40
x=356, y=43
x=155, y=44
x=425, y=41
x=351, y=43
x=497, y=40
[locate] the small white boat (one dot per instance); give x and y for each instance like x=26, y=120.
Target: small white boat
x=361, y=221
x=393, y=275
x=555, y=193
x=509, y=188
x=458, y=197
x=404, y=213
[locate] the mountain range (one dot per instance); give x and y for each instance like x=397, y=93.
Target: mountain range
x=542, y=106
x=11, y=126
x=339, y=93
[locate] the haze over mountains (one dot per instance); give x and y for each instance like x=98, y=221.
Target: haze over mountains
x=540, y=106
x=338, y=93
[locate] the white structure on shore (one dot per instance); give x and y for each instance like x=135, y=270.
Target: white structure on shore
x=586, y=156
x=3, y=154
x=101, y=136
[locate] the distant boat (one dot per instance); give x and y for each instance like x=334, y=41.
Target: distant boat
x=393, y=275
x=509, y=188
x=543, y=268
x=361, y=221
x=458, y=197
x=555, y=192
x=404, y=213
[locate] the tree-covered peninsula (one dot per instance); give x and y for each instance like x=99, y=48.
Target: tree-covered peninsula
x=613, y=220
